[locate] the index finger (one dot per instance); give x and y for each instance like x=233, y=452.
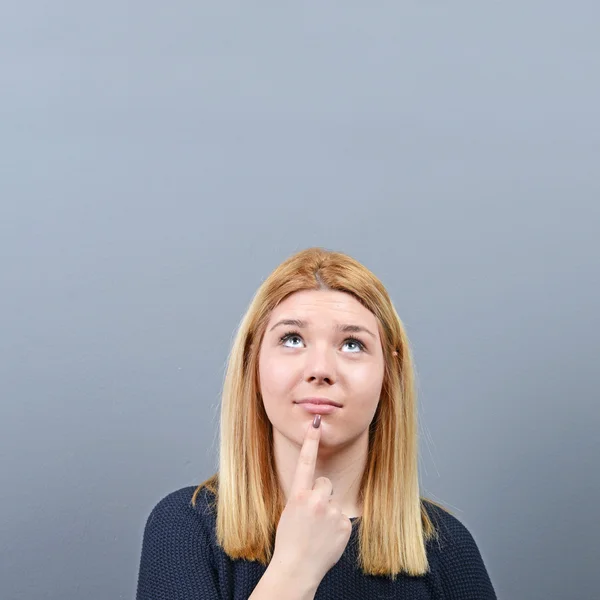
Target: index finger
x=305, y=468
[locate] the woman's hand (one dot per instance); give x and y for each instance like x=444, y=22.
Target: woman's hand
x=312, y=532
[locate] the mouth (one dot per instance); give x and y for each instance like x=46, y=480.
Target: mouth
x=318, y=409
x=321, y=406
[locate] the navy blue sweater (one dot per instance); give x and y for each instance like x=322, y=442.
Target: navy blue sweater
x=180, y=560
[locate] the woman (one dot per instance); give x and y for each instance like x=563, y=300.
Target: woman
x=317, y=493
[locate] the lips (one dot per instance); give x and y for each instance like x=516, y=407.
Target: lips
x=319, y=402
x=318, y=409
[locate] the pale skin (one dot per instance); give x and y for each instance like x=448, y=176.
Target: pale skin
x=311, y=535
x=320, y=360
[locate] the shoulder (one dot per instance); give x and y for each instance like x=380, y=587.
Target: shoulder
x=182, y=512
x=451, y=532
x=456, y=556
x=178, y=558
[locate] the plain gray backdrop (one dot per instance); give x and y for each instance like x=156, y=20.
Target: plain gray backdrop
x=158, y=160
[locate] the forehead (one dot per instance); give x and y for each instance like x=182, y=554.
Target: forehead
x=331, y=305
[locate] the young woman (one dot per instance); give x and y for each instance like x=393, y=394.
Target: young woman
x=317, y=493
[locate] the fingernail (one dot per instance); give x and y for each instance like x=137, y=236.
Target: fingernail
x=316, y=421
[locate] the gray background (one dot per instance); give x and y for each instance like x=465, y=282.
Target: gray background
x=158, y=160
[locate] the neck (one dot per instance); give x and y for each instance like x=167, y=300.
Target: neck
x=342, y=465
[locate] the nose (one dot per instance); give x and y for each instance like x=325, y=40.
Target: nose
x=320, y=366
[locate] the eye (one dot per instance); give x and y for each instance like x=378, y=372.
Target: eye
x=292, y=335
x=360, y=346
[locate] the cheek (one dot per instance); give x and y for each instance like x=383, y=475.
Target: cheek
x=365, y=386
x=275, y=375
x=367, y=378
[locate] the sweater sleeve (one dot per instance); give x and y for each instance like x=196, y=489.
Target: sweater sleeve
x=176, y=559
x=462, y=571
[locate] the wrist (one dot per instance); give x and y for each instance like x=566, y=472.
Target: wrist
x=287, y=576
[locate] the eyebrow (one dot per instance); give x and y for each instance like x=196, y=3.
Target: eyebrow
x=345, y=328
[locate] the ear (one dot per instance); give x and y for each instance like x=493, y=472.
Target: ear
x=395, y=353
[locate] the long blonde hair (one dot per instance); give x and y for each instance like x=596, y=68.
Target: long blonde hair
x=394, y=524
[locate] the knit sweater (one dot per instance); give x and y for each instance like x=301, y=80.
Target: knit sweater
x=181, y=560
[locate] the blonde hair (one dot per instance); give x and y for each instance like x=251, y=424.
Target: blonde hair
x=394, y=524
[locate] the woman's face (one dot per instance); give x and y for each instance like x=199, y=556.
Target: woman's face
x=306, y=353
